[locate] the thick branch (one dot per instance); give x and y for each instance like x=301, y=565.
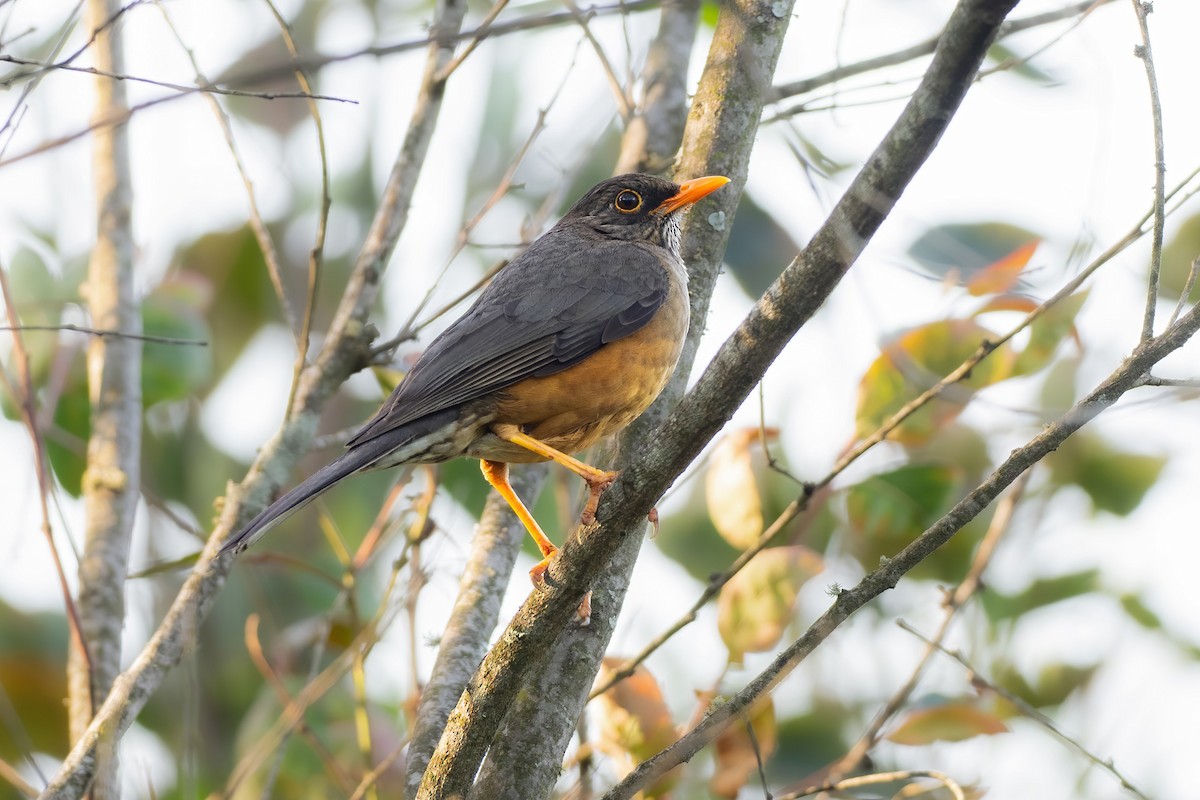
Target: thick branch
x=476, y=612
x=1128, y=376
x=525, y=758
x=344, y=349
x=112, y=477
x=793, y=298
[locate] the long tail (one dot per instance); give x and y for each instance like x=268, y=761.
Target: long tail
x=358, y=458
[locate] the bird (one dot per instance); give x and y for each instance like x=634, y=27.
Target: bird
x=569, y=343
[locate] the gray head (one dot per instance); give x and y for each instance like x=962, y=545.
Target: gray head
x=636, y=206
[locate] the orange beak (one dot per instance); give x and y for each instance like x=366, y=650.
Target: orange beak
x=690, y=192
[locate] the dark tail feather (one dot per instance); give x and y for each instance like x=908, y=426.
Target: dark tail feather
x=356, y=459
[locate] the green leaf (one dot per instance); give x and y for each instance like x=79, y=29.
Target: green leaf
x=1052, y=686
x=959, y=251
x=1047, y=331
x=1177, y=256
x=1041, y=593
x=73, y=423
x=1140, y=613
x=888, y=511
x=174, y=371
x=948, y=722
x=1021, y=65
x=1115, y=481
x=917, y=360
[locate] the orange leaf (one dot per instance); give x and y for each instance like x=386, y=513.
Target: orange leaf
x=634, y=721
x=1009, y=302
x=735, y=756
x=949, y=722
x=1000, y=276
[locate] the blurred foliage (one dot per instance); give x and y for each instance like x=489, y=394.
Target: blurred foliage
x=945, y=720
x=218, y=708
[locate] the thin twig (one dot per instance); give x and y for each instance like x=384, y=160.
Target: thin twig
x=954, y=601
x=1026, y=710
x=115, y=334
x=316, y=255
x=203, y=86
x=26, y=401
x=1142, y=51
x=481, y=33
x=1186, y=292
x=925, y=48
x=1179, y=383
x=876, y=778
x=11, y=774
x=262, y=235
x=624, y=105
x=263, y=665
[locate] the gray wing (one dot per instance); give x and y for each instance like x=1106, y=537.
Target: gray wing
x=531, y=322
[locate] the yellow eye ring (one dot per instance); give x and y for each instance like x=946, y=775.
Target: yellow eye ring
x=628, y=201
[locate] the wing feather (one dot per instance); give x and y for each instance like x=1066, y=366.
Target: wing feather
x=553, y=306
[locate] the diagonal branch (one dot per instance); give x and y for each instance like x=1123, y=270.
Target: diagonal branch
x=343, y=352
x=1126, y=377
x=791, y=300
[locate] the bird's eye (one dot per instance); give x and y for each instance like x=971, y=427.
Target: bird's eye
x=628, y=201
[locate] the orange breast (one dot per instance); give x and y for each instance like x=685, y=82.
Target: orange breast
x=573, y=409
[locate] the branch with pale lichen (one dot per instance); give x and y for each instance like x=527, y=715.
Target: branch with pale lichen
x=1126, y=377
x=737, y=368
x=343, y=352
x=112, y=478
x=476, y=611
x=526, y=755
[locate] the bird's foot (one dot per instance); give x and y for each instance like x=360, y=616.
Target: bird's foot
x=596, y=487
x=538, y=575
x=653, y=518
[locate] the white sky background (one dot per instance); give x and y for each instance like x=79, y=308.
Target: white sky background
x=1073, y=162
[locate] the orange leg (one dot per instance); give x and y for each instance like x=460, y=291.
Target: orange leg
x=597, y=479
x=496, y=473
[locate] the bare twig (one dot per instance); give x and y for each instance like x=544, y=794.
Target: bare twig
x=262, y=235
x=624, y=105
x=875, y=778
x=1027, y=710
x=10, y=773
x=925, y=48
x=115, y=334
x=316, y=255
x=327, y=758
x=203, y=86
x=1143, y=51
x=954, y=601
x=481, y=33
x=1188, y=284
x=342, y=353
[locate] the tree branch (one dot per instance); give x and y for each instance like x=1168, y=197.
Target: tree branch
x=1126, y=377
x=112, y=478
x=742, y=360
x=476, y=611
x=343, y=352
x=525, y=757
